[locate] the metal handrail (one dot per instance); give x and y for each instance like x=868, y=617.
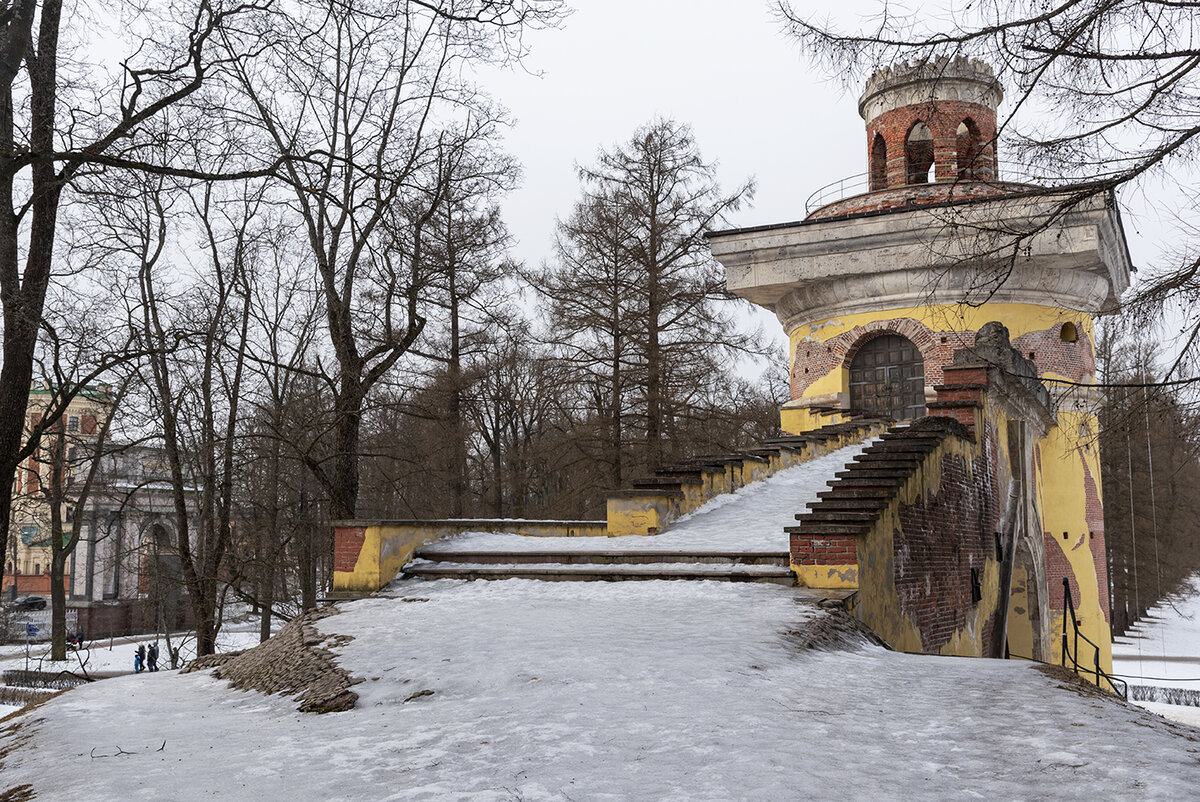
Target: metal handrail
x=860, y=184
x=1096, y=671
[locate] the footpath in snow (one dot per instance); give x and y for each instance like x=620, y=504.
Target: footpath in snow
x=750, y=519
x=613, y=691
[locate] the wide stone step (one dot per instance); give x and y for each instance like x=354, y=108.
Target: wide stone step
x=873, y=473
x=559, y=572
x=817, y=528
x=606, y=557
x=838, y=501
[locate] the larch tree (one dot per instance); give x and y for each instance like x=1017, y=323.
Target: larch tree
x=660, y=320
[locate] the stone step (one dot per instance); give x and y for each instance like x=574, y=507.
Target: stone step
x=883, y=462
x=888, y=454
x=837, y=516
x=818, y=528
x=838, y=501
x=604, y=557
x=861, y=487
x=873, y=473
x=611, y=573
x=670, y=482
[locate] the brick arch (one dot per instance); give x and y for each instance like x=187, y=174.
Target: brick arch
x=916, y=333
x=813, y=360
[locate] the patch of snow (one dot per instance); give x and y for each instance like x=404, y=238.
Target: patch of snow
x=116, y=654
x=751, y=518
x=520, y=689
x=1184, y=714
x=1163, y=648
x=621, y=568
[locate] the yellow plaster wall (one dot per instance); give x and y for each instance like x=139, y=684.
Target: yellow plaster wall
x=826, y=576
x=1020, y=609
x=1020, y=319
x=1064, y=453
x=388, y=547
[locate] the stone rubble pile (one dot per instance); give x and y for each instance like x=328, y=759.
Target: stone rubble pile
x=291, y=663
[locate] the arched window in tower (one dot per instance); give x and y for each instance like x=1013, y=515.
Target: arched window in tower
x=918, y=154
x=887, y=377
x=878, y=163
x=967, y=150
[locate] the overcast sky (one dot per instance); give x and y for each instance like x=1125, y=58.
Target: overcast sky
x=722, y=66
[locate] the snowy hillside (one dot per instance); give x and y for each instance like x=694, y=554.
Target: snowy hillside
x=656, y=690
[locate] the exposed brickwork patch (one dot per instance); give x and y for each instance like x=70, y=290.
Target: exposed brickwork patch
x=1046, y=349
x=814, y=360
x=941, y=540
x=823, y=550
x=347, y=544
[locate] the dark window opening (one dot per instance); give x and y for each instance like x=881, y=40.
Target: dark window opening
x=918, y=154
x=1068, y=333
x=878, y=163
x=968, y=150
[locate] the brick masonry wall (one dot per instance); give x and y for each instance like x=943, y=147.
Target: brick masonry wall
x=813, y=360
x=824, y=550
x=942, y=119
x=347, y=543
x=940, y=540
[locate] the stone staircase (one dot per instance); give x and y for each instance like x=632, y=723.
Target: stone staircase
x=672, y=491
x=651, y=503
x=603, y=566
x=860, y=493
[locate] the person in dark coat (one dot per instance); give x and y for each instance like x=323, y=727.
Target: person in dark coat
x=139, y=659
x=152, y=657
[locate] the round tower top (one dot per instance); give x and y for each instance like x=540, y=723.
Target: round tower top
x=944, y=79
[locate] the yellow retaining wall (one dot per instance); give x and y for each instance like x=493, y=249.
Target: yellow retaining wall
x=387, y=546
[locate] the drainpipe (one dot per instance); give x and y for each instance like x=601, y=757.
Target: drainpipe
x=1009, y=541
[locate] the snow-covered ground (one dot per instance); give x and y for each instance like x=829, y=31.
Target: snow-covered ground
x=116, y=654
x=636, y=690
x=750, y=519
x=1163, y=648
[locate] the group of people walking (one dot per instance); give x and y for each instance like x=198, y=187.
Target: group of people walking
x=145, y=659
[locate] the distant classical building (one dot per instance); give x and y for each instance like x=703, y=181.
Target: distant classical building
x=124, y=572
x=27, y=564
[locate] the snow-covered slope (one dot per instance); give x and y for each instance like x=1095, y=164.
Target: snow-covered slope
x=640, y=691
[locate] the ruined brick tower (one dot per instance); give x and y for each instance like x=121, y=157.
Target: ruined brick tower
x=885, y=283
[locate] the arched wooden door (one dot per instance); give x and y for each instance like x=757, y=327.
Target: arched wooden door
x=887, y=377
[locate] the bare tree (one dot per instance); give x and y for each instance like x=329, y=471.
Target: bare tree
x=637, y=292
x=365, y=104
x=53, y=127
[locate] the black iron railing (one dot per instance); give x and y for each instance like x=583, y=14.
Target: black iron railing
x=1070, y=648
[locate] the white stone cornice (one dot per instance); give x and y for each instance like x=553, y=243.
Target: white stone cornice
x=1014, y=249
